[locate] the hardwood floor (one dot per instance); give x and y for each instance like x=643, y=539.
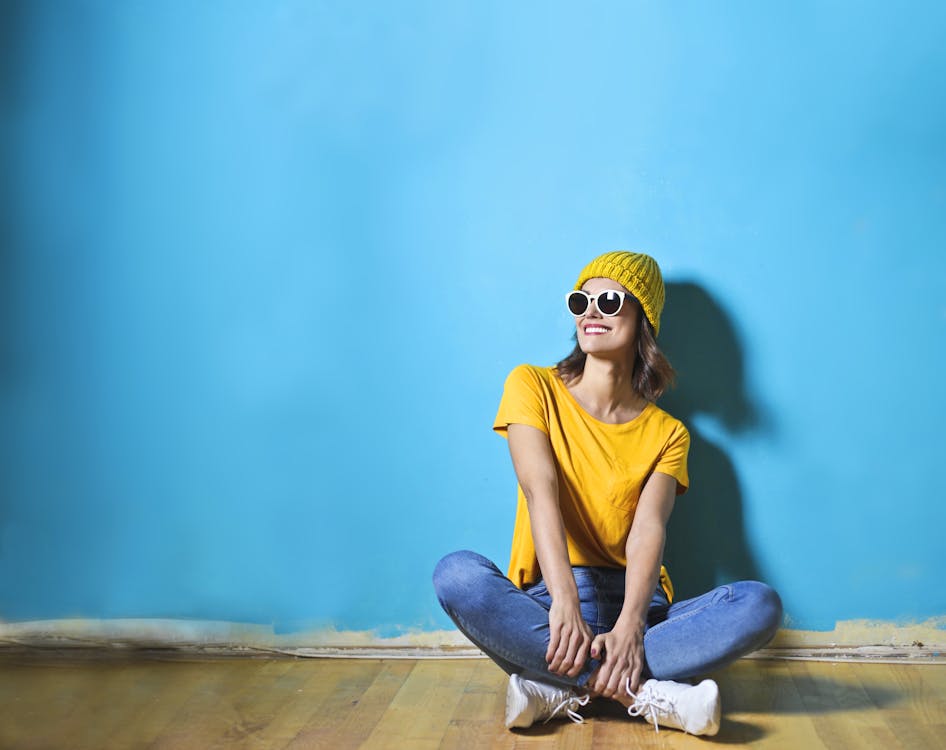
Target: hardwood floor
x=99, y=701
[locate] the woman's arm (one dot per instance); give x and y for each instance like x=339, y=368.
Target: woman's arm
x=534, y=462
x=624, y=645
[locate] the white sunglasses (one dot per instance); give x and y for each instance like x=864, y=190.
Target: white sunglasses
x=609, y=302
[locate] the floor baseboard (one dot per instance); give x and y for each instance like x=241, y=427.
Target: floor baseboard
x=849, y=641
x=65, y=647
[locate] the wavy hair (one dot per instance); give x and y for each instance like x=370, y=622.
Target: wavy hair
x=652, y=375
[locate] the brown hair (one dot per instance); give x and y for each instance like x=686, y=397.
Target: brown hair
x=653, y=373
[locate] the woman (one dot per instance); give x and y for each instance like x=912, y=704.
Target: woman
x=587, y=609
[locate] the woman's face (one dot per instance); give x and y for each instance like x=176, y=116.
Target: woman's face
x=602, y=335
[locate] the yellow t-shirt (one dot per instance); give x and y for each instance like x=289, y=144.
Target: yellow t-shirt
x=601, y=469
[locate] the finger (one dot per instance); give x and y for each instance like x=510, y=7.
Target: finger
x=554, y=636
x=567, y=649
x=574, y=643
x=580, y=658
x=635, y=677
x=602, y=677
x=597, y=646
x=609, y=689
x=616, y=679
x=561, y=650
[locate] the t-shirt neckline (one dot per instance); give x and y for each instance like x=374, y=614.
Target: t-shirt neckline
x=561, y=383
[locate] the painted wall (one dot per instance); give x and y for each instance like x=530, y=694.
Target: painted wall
x=265, y=266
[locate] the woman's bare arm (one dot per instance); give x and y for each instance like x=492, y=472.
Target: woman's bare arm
x=534, y=463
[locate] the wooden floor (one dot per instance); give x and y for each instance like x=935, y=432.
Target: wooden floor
x=66, y=701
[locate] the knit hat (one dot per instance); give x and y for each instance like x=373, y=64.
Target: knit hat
x=636, y=272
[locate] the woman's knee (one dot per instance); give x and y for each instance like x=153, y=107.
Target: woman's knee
x=763, y=606
x=456, y=575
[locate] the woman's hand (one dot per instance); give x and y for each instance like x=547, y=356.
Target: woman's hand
x=623, y=650
x=570, y=639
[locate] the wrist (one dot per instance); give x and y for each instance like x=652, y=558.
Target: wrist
x=630, y=623
x=565, y=597
x=562, y=587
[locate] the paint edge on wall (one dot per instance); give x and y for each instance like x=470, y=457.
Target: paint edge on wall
x=165, y=633
x=927, y=638
x=853, y=633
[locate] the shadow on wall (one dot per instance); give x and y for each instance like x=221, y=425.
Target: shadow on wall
x=706, y=540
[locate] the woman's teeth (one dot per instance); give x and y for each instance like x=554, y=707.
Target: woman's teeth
x=596, y=329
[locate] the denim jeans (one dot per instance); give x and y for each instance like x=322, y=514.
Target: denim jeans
x=681, y=640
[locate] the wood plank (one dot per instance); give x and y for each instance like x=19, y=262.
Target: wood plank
x=280, y=703
x=786, y=721
x=348, y=715
x=39, y=701
x=311, y=699
x=905, y=707
x=164, y=689
x=478, y=719
x=112, y=700
x=251, y=706
x=419, y=714
x=839, y=705
x=208, y=712
x=150, y=705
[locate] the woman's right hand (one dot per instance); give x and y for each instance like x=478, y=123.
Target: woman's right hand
x=570, y=639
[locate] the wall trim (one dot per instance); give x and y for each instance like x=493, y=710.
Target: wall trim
x=858, y=640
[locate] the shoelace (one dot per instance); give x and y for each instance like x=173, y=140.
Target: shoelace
x=647, y=704
x=569, y=706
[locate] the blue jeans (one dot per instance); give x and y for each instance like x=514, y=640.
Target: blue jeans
x=681, y=640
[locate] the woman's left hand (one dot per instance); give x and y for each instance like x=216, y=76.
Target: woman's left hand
x=623, y=661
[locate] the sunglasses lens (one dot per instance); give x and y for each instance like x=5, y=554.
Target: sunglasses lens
x=609, y=303
x=577, y=303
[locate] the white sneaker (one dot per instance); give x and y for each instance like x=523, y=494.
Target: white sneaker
x=528, y=702
x=693, y=708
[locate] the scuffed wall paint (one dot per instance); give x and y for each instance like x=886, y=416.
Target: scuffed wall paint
x=931, y=633
x=149, y=633
x=145, y=633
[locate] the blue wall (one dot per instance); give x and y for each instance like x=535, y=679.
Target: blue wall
x=266, y=265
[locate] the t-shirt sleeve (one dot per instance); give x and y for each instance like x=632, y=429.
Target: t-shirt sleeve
x=673, y=459
x=523, y=401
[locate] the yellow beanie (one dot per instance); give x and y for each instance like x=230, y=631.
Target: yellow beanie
x=636, y=272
